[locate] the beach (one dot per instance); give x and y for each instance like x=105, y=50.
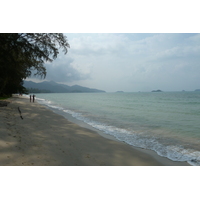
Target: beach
x=32, y=135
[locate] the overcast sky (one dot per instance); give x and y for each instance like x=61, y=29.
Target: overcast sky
x=129, y=62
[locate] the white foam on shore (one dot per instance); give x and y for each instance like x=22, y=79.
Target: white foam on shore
x=174, y=153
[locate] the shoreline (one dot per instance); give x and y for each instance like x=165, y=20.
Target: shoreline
x=45, y=138
x=165, y=160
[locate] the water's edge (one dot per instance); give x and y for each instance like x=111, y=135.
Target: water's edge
x=165, y=160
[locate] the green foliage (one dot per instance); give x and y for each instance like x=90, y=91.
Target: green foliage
x=2, y=98
x=22, y=53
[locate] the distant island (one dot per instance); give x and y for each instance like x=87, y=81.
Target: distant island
x=53, y=87
x=197, y=90
x=156, y=91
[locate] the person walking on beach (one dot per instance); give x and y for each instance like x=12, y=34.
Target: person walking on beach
x=33, y=98
x=30, y=98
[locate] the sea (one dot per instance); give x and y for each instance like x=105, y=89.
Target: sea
x=165, y=122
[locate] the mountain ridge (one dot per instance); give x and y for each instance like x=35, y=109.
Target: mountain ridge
x=54, y=87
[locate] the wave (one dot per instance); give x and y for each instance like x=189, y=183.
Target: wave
x=136, y=139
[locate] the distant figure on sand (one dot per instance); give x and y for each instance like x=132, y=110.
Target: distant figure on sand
x=33, y=98
x=30, y=98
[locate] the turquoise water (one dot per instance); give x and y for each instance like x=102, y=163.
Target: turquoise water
x=166, y=122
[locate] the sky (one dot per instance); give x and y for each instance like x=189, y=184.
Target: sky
x=129, y=62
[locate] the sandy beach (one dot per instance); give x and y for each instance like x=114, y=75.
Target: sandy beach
x=39, y=137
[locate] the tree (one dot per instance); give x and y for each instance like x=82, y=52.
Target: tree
x=23, y=53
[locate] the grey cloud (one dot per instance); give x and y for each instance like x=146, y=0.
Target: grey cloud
x=165, y=60
x=61, y=70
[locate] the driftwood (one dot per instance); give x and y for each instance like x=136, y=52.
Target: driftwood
x=20, y=113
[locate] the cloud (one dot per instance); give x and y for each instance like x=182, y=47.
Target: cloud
x=195, y=38
x=97, y=44
x=130, y=62
x=63, y=70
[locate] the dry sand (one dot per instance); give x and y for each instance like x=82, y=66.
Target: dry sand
x=43, y=138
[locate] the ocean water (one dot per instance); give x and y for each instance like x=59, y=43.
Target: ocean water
x=165, y=122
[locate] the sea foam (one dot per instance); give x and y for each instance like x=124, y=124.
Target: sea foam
x=134, y=138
